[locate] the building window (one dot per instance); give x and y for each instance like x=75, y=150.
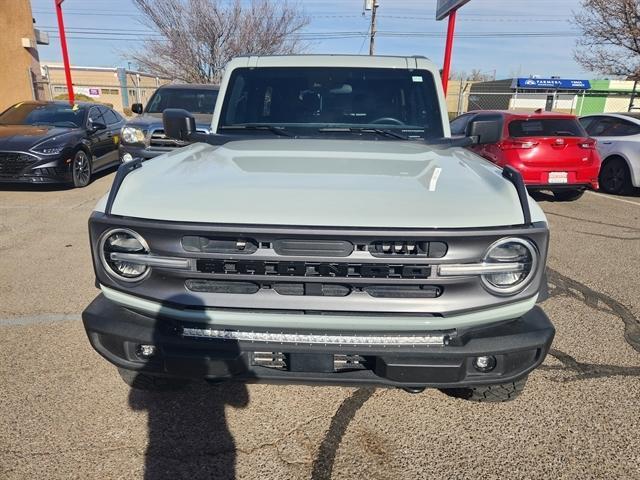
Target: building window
x=110, y=91
x=59, y=89
x=132, y=93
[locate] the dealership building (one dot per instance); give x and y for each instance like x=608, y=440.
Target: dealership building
x=118, y=87
x=579, y=97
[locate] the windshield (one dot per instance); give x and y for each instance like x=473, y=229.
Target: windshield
x=54, y=114
x=549, y=127
x=310, y=99
x=190, y=99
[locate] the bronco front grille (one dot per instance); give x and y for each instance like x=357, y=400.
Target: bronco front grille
x=13, y=163
x=311, y=269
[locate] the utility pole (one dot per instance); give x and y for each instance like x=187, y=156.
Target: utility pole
x=372, y=39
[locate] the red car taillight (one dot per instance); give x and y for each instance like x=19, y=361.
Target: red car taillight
x=517, y=144
x=588, y=144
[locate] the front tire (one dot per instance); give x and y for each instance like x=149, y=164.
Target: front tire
x=568, y=195
x=81, y=169
x=501, y=392
x=615, y=177
x=151, y=383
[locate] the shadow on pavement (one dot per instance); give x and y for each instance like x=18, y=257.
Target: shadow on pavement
x=543, y=196
x=188, y=436
x=188, y=433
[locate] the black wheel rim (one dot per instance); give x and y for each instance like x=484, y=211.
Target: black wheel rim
x=81, y=168
x=614, y=177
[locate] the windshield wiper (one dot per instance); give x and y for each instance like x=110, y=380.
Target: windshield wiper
x=258, y=126
x=378, y=131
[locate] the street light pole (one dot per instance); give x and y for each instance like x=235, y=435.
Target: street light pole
x=372, y=39
x=65, y=53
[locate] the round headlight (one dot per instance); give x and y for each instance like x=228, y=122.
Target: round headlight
x=132, y=135
x=124, y=241
x=520, y=255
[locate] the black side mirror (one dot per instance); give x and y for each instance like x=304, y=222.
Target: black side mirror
x=178, y=124
x=96, y=126
x=486, y=129
x=137, y=108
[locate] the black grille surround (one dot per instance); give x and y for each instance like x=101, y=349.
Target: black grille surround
x=362, y=282
x=14, y=163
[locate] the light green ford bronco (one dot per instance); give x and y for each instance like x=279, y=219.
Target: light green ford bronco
x=328, y=231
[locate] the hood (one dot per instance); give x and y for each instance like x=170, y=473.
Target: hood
x=337, y=183
x=154, y=120
x=25, y=137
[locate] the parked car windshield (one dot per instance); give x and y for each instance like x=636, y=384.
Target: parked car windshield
x=547, y=127
x=191, y=99
x=312, y=100
x=54, y=114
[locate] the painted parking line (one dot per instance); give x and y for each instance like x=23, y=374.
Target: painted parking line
x=609, y=197
x=24, y=320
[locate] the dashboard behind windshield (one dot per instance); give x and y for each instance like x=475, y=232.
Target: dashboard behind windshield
x=310, y=98
x=54, y=114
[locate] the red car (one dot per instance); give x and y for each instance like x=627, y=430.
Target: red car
x=551, y=150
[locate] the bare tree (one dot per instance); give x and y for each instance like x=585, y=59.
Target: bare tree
x=198, y=37
x=610, y=42
x=476, y=75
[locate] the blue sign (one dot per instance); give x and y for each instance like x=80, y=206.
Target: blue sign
x=552, y=83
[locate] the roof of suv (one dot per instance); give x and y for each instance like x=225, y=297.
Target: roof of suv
x=526, y=114
x=198, y=86
x=323, y=60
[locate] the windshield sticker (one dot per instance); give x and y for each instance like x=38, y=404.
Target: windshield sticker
x=434, y=179
x=417, y=78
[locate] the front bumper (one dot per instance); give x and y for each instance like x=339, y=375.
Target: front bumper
x=144, y=153
x=519, y=345
x=49, y=170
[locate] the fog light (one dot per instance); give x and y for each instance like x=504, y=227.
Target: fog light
x=484, y=364
x=146, y=351
x=127, y=157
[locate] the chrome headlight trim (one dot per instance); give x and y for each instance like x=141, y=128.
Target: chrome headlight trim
x=105, y=264
x=518, y=287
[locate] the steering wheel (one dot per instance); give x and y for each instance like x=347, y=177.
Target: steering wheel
x=392, y=120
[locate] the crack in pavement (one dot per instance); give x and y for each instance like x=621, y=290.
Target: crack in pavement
x=563, y=285
x=323, y=464
x=596, y=222
x=586, y=371
x=613, y=237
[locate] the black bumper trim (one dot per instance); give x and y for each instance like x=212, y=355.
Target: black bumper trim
x=519, y=345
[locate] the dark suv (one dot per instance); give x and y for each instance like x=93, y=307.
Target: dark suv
x=143, y=136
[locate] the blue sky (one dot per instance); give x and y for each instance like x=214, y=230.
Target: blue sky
x=491, y=33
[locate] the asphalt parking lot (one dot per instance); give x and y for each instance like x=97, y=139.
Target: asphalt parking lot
x=65, y=413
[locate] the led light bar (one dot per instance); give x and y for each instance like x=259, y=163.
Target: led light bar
x=429, y=339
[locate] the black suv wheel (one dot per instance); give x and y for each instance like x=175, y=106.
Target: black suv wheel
x=615, y=177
